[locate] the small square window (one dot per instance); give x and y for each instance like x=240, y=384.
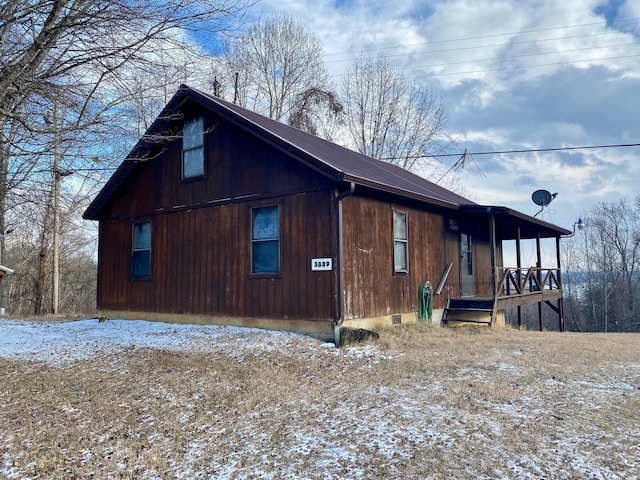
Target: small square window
x=400, y=242
x=265, y=240
x=141, y=251
x=193, y=149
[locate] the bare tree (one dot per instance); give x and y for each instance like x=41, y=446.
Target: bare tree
x=317, y=111
x=614, y=231
x=71, y=48
x=63, y=65
x=390, y=119
x=275, y=60
x=604, y=265
x=44, y=41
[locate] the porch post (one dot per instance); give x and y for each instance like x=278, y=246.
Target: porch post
x=492, y=239
x=519, y=265
x=539, y=266
x=494, y=287
x=561, y=299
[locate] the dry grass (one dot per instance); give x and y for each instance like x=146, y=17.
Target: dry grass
x=418, y=403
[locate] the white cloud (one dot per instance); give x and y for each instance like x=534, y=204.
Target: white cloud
x=576, y=83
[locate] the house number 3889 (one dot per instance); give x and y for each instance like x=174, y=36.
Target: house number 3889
x=321, y=264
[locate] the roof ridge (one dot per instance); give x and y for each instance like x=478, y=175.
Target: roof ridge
x=417, y=183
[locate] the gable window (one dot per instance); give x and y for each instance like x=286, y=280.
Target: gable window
x=400, y=242
x=141, y=252
x=265, y=239
x=193, y=149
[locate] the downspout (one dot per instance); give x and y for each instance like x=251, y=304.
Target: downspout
x=339, y=319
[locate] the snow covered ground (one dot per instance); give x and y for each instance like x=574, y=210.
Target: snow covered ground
x=477, y=406
x=59, y=342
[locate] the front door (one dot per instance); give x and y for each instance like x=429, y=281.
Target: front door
x=466, y=266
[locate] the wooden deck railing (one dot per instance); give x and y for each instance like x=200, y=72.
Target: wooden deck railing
x=523, y=281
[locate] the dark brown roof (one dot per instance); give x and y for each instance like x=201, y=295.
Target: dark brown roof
x=335, y=162
x=329, y=157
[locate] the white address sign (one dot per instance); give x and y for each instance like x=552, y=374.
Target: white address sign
x=321, y=264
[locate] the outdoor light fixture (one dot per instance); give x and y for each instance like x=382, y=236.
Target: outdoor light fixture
x=581, y=226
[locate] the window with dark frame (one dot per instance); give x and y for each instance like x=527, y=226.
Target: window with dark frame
x=141, y=251
x=265, y=240
x=400, y=242
x=193, y=149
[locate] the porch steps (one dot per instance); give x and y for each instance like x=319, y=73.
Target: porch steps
x=474, y=310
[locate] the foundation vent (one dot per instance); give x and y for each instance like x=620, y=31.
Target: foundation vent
x=396, y=319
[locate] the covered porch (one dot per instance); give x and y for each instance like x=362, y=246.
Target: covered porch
x=516, y=286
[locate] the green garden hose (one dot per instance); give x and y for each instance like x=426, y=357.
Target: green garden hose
x=425, y=303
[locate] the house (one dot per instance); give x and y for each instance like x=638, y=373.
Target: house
x=4, y=272
x=220, y=215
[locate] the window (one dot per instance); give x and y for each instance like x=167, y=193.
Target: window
x=265, y=249
x=400, y=241
x=141, y=254
x=466, y=253
x=193, y=149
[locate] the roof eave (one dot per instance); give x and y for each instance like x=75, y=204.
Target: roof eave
x=516, y=216
x=400, y=192
x=113, y=184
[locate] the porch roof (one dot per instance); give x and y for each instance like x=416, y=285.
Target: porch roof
x=508, y=221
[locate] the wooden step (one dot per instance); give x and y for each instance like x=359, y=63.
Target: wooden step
x=460, y=320
x=481, y=304
x=471, y=310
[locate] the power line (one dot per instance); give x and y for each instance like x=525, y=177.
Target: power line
x=536, y=54
x=497, y=152
x=520, y=67
x=508, y=44
x=413, y=67
x=512, y=43
x=486, y=36
x=527, y=150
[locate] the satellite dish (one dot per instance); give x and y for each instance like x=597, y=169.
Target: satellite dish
x=542, y=198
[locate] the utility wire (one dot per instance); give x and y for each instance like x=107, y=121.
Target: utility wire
x=508, y=44
x=527, y=150
x=486, y=36
x=497, y=152
x=522, y=42
x=413, y=67
x=498, y=69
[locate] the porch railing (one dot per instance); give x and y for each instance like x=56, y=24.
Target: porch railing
x=522, y=281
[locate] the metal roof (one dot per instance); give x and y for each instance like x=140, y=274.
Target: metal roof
x=350, y=165
x=334, y=161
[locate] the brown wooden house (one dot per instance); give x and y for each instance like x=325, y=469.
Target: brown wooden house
x=221, y=215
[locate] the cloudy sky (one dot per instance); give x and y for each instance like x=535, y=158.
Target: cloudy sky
x=514, y=75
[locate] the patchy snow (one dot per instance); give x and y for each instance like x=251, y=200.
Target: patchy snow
x=391, y=427
x=59, y=342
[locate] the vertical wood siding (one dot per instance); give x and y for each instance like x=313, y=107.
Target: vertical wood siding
x=482, y=266
x=201, y=263
x=236, y=165
x=201, y=239
x=371, y=287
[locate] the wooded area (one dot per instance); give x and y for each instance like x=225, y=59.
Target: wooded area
x=602, y=265
x=79, y=81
